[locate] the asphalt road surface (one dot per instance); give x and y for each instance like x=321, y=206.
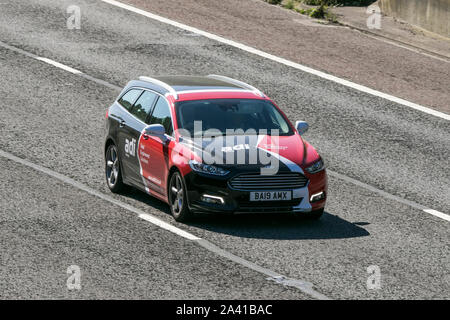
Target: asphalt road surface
x=387, y=163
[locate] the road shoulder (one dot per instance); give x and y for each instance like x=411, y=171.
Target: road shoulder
x=334, y=49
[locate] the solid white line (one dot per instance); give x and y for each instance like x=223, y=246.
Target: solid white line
x=281, y=60
x=59, y=65
x=438, y=214
x=332, y=173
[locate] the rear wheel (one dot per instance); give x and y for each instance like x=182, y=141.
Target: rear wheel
x=178, y=199
x=112, y=169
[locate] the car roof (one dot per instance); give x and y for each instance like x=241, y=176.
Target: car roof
x=188, y=83
x=193, y=85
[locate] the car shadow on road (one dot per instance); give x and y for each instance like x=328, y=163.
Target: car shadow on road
x=280, y=227
x=266, y=226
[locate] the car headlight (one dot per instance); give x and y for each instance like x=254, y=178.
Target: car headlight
x=207, y=168
x=316, y=167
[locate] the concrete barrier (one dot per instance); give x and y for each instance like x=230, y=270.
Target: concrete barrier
x=432, y=15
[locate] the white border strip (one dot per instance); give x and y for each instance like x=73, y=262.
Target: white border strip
x=280, y=60
x=332, y=173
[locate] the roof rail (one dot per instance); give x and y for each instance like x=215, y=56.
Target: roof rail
x=161, y=84
x=236, y=82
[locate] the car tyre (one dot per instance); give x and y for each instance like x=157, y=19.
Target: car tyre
x=177, y=198
x=113, y=170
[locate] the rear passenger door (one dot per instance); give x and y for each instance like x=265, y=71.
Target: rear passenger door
x=119, y=117
x=132, y=127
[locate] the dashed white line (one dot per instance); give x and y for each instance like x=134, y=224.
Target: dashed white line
x=59, y=65
x=332, y=173
x=158, y=222
x=438, y=214
x=280, y=60
x=302, y=285
x=169, y=227
x=389, y=196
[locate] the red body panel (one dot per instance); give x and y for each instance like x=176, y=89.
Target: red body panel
x=200, y=95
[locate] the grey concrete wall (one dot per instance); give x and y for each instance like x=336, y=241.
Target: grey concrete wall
x=432, y=15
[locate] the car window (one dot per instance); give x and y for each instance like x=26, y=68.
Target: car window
x=278, y=120
x=143, y=105
x=129, y=98
x=161, y=114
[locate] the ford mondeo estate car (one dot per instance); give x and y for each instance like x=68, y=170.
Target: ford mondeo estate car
x=211, y=144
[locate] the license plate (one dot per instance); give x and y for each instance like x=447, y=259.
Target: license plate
x=270, y=195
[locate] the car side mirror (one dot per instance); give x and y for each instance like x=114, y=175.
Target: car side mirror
x=301, y=126
x=155, y=130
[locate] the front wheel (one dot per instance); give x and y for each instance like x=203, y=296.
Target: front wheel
x=178, y=199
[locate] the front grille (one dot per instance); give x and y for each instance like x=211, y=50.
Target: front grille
x=279, y=181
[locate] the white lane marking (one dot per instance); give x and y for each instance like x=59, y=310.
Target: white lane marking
x=59, y=65
x=389, y=196
x=281, y=60
x=302, y=285
x=438, y=214
x=338, y=175
x=169, y=227
x=63, y=178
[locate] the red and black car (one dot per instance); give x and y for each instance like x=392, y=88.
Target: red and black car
x=211, y=144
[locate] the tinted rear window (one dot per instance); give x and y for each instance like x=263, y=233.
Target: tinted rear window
x=129, y=98
x=142, y=107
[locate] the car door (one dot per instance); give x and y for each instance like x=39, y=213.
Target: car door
x=121, y=117
x=132, y=128
x=153, y=150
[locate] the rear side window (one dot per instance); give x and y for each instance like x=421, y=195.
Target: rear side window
x=129, y=98
x=142, y=107
x=161, y=115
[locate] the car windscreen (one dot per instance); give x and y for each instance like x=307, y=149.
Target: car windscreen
x=249, y=115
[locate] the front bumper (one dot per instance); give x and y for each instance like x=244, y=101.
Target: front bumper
x=237, y=201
